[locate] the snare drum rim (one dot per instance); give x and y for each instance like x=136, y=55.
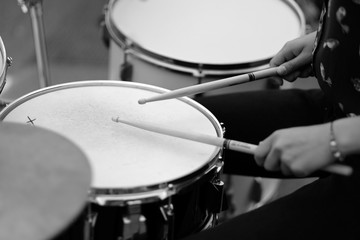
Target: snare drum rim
x=157, y=191
x=196, y=69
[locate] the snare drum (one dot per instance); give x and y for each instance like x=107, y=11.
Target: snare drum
x=144, y=183
x=177, y=43
x=4, y=64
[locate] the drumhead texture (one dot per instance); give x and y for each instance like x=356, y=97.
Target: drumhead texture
x=208, y=31
x=121, y=156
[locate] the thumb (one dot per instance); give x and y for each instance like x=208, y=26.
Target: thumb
x=292, y=65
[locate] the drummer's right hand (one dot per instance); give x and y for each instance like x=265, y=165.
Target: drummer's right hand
x=294, y=59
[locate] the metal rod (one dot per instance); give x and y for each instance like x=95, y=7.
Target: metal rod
x=36, y=14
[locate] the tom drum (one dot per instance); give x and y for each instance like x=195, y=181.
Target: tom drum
x=178, y=43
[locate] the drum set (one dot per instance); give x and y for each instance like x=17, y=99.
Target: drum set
x=86, y=177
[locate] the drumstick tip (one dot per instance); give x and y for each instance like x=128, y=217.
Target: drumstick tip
x=142, y=101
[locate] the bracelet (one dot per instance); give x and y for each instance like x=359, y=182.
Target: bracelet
x=334, y=146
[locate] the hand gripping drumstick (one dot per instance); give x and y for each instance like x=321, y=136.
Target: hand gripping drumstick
x=222, y=142
x=200, y=88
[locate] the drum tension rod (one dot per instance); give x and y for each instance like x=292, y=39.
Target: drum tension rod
x=126, y=68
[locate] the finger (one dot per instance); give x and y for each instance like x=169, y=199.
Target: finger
x=298, y=63
x=282, y=56
x=261, y=152
x=286, y=170
x=298, y=169
x=292, y=76
x=272, y=161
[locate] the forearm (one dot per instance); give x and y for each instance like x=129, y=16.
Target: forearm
x=347, y=134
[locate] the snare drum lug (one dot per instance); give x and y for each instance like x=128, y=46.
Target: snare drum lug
x=134, y=223
x=126, y=68
x=223, y=128
x=170, y=190
x=167, y=211
x=219, y=168
x=89, y=224
x=126, y=71
x=199, y=74
x=216, y=194
x=3, y=103
x=9, y=61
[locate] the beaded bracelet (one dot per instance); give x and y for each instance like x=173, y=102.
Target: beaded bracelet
x=334, y=146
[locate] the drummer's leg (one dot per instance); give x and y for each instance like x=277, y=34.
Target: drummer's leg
x=325, y=209
x=252, y=116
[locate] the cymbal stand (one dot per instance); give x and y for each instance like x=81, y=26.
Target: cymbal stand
x=36, y=14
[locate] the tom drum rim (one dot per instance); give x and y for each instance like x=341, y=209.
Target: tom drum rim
x=4, y=64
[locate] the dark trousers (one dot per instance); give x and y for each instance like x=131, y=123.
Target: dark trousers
x=327, y=208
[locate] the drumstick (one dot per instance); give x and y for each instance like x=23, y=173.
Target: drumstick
x=221, y=142
x=200, y=88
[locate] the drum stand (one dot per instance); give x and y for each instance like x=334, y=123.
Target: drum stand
x=36, y=14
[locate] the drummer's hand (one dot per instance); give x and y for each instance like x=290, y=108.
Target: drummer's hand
x=296, y=151
x=295, y=59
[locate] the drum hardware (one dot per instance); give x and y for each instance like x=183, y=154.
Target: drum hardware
x=3, y=104
x=122, y=197
x=9, y=61
x=36, y=15
x=105, y=36
x=168, y=215
x=89, y=224
x=200, y=74
x=134, y=223
x=216, y=193
x=218, y=189
x=126, y=68
x=6, y=63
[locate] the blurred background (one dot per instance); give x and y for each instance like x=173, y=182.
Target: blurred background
x=74, y=43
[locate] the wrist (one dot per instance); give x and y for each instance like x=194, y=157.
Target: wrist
x=334, y=145
x=347, y=132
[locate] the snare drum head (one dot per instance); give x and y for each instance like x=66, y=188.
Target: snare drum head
x=121, y=156
x=208, y=31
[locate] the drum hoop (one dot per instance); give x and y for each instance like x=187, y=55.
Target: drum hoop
x=153, y=191
x=4, y=66
x=196, y=69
